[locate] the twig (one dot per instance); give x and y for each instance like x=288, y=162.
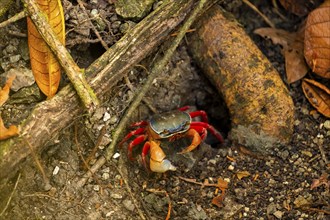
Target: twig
x=13, y=19
x=74, y=73
x=259, y=12
x=169, y=199
x=324, y=157
x=130, y=86
x=93, y=27
x=11, y=195
x=39, y=166
x=129, y=190
x=98, y=142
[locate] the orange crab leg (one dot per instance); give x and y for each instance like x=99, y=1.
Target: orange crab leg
x=208, y=127
x=196, y=140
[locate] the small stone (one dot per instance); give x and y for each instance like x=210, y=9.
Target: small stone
x=128, y=205
x=15, y=58
x=271, y=199
x=327, y=124
x=113, y=120
x=106, y=116
x=231, y=167
x=96, y=188
x=278, y=214
x=116, y=155
x=116, y=196
x=105, y=176
x=56, y=170
x=212, y=161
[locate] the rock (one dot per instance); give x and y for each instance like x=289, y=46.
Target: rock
x=24, y=78
x=128, y=205
x=327, y=124
x=278, y=214
x=133, y=9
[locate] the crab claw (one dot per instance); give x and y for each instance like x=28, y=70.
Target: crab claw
x=161, y=167
x=158, y=163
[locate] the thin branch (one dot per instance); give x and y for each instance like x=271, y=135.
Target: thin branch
x=11, y=195
x=260, y=13
x=13, y=19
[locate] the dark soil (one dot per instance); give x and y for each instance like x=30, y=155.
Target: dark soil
x=277, y=186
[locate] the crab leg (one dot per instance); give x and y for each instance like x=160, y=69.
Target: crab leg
x=138, y=140
x=208, y=127
x=140, y=123
x=200, y=113
x=196, y=140
x=129, y=135
x=201, y=131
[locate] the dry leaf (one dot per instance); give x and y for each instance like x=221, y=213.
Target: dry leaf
x=323, y=180
x=218, y=200
x=242, y=174
x=317, y=40
x=4, y=92
x=222, y=184
x=7, y=133
x=4, y=95
x=293, y=48
x=318, y=95
x=45, y=67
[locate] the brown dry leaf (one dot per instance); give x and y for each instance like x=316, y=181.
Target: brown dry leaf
x=323, y=180
x=45, y=67
x=4, y=95
x=222, y=184
x=218, y=200
x=7, y=133
x=317, y=40
x=293, y=48
x=4, y=92
x=242, y=174
x=318, y=95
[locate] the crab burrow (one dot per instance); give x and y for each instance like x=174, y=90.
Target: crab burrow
x=260, y=106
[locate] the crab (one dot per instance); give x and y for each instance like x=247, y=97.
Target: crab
x=172, y=126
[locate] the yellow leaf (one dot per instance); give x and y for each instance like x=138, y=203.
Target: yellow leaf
x=242, y=174
x=318, y=95
x=7, y=133
x=45, y=67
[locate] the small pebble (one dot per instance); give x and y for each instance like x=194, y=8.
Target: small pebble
x=231, y=167
x=278, y=214
x=106, y=116
x=327, y=124
x=116, y=196
x=96, y=188
x=105, y=176
x=128, y=205
x=116, y=155
x=56, y=170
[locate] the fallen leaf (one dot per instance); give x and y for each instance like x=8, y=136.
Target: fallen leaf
x=4, y=95
x=318, y=95
x=45, y=67
x=317, y=40
x=323, y=180
x=7, y=133
x=222, y=184
x=293, y=48
x=4, y=92
x=218, y=200
x=242, y=174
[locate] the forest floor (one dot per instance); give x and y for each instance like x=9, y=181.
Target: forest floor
x=277, y=186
